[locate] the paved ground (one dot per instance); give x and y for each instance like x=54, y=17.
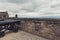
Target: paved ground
x=21, y=36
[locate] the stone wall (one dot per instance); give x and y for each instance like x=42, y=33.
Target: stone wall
x=42, y=28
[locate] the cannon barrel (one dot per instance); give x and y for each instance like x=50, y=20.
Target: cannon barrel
x=2, y=23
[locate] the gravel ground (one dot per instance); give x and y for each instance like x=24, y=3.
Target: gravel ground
x=21, y=36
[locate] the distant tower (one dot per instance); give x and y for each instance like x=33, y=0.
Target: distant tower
x=16, y=16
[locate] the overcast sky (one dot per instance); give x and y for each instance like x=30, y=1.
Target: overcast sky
x=31, y=8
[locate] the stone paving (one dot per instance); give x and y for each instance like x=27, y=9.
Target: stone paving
x=21, y=36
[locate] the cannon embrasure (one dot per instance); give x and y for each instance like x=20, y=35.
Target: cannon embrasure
x=10, y=25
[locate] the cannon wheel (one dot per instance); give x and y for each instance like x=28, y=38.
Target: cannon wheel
x=2, y=34
x=15, y=29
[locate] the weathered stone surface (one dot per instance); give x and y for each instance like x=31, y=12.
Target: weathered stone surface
x=50, y=31
x=21, y=36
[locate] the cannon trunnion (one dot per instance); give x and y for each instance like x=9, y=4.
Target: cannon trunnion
x=10, y=25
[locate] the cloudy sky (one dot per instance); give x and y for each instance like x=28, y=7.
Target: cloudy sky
x=31, y=8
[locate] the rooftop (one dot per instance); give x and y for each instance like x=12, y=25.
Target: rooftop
x=3, y=13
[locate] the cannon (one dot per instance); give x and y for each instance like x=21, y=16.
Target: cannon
x=10, y=25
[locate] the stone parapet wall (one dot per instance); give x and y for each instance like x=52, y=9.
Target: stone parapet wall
x=50, y=31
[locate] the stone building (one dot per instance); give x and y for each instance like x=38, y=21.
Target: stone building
x=4, y=15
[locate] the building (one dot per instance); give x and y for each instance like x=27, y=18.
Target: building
x=4, y=15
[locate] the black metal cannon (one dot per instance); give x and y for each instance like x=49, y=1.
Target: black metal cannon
x=10, y=25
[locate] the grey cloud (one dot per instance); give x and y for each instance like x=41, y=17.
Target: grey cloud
x=15, y=1
x=18, y=1
x=56, y=5
x=30, y=9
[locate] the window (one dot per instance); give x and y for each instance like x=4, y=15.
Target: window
x=4, y=16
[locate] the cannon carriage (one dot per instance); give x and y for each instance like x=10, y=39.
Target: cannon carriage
x=10, y=25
